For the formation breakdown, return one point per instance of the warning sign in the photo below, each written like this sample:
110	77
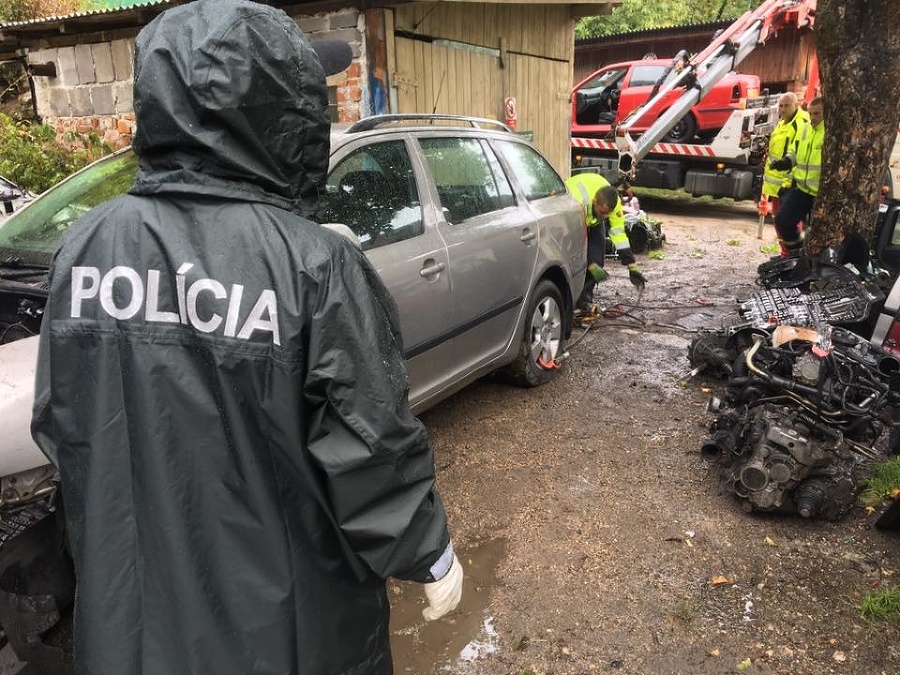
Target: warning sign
510	114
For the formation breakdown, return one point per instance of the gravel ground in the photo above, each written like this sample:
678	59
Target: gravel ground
618	552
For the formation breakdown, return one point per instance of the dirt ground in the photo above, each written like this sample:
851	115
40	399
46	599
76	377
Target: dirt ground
594	536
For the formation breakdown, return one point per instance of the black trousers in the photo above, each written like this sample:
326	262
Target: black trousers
796	205
596	254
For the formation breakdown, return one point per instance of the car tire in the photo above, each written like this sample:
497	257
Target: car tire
542	338
684	131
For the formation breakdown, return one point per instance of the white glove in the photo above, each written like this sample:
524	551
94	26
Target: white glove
444	594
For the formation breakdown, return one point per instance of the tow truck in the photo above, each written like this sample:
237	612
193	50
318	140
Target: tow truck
731	163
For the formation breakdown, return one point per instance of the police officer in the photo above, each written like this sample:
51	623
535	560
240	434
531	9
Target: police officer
603	214
804	160
239	464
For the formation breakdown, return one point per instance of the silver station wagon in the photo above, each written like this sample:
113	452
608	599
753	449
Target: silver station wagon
475	236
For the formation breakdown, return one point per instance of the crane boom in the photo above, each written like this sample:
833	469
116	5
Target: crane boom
698	75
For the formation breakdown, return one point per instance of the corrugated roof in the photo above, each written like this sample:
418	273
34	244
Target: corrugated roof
655	32
138	4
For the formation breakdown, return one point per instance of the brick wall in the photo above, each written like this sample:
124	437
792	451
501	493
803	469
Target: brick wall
346	25
92	90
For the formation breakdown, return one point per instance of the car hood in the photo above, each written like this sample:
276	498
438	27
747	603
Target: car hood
18	451
213	120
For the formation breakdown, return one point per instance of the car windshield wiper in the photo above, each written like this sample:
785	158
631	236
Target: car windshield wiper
13	267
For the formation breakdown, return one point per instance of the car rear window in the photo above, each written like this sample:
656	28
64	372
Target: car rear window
533	173
646	76
468	177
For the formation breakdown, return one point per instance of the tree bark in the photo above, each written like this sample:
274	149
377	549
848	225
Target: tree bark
858	45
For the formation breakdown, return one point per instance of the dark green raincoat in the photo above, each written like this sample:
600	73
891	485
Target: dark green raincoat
221	382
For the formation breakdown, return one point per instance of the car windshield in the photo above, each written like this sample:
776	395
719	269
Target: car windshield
603	80
33	234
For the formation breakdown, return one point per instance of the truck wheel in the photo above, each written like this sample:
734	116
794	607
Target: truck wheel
542	339
684	131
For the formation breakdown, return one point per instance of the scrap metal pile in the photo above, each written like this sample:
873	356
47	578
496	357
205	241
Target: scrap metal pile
809	403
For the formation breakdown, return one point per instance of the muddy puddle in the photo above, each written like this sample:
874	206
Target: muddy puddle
456	642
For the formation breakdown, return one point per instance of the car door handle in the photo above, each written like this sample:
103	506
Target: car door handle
432	269
527	236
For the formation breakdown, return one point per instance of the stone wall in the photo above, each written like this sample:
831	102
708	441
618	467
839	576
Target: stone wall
92	89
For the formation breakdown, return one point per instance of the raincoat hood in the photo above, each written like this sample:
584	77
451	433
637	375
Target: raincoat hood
220	119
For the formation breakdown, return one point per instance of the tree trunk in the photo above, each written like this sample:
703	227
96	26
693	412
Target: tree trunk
858	45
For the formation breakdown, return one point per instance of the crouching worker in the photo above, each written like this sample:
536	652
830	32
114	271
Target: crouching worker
603	213
240	467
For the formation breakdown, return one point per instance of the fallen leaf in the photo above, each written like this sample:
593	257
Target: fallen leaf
769	541
870	509
839	656
712	652
719	580
689	543
743	665
888	573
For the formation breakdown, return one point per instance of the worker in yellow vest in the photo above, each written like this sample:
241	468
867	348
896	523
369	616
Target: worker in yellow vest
805	162
603	209
791	118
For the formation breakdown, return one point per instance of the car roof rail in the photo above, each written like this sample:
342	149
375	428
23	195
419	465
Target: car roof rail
369	123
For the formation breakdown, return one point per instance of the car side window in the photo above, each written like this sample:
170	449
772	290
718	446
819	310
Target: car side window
373	192
468	177
534	173
646	76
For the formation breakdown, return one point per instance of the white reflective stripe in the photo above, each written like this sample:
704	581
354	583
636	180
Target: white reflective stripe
616	230
622	245
809	167
773	180
585	197
442	565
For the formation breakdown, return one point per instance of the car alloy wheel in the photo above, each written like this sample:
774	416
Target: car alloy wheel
542	339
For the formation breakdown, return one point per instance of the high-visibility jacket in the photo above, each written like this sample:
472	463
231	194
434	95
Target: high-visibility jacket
583	186
783	136
807	158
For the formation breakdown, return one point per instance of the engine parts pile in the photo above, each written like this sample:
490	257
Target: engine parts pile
808	407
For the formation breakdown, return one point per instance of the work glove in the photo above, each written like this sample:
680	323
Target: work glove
597	272
443	595
782	164
635	277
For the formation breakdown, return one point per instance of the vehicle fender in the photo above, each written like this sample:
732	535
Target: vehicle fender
18	451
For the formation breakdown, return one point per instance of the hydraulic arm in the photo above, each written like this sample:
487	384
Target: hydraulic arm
698	74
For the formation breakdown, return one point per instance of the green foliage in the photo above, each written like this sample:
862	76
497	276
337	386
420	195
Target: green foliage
883	605
23	10
634	15
33	159
18	10
883	483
